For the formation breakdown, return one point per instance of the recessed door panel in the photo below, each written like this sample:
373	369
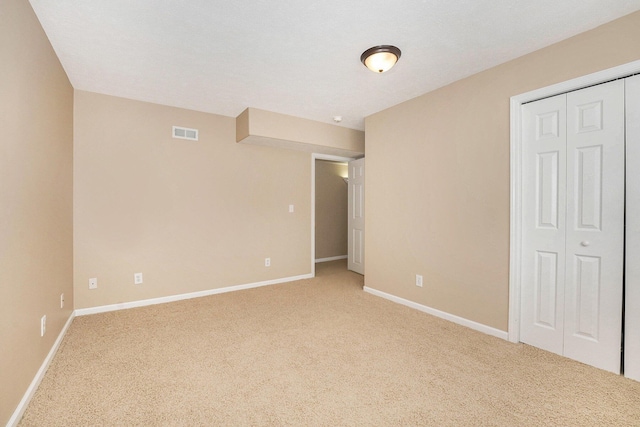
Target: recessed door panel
358	205
589	187
357	246
547	191
546	289
589	117
587	301
548	125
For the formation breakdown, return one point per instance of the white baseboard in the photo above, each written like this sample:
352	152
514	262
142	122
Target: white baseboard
441	314
172	298
332	258
22	406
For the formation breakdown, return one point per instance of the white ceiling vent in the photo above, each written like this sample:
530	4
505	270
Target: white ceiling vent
185	133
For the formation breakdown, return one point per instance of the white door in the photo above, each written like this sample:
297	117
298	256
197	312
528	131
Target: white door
632	249
573	216
544	211
595	225
355	224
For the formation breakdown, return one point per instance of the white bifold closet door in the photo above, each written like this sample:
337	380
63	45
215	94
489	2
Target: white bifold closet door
573	224
632	248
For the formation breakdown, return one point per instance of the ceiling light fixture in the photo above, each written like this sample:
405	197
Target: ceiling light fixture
380	58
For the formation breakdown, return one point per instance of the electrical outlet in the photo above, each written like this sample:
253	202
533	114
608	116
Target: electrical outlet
267	262
61	300
418	280
137	278
93	283
291	208
43	325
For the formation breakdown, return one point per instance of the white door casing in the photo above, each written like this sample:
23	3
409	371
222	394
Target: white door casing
573	224
355	223
632	248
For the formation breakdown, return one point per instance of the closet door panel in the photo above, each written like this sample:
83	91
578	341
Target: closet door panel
544	205
595	225
632	249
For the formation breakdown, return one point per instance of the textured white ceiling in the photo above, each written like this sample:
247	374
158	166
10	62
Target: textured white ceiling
299	57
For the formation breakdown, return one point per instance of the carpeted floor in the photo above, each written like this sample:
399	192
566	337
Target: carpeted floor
310	353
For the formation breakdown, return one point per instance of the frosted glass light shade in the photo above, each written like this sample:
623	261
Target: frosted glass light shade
380	58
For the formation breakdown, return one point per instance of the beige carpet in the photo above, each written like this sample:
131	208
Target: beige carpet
309	353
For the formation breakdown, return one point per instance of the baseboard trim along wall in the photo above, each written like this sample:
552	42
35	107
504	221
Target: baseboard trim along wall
332	258
441	314
22	406
172	298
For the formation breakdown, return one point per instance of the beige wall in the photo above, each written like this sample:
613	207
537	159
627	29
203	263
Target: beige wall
331	209
438	177
189	215
36	117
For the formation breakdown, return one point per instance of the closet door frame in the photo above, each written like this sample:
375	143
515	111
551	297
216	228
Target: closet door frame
516	190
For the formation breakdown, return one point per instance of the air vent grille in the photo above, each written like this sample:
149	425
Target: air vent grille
185	133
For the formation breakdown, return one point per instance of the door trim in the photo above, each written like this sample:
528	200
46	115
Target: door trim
314	157
515	221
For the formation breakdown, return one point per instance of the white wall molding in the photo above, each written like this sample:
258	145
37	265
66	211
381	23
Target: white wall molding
22	406
332	258
179	297
441	314
515	237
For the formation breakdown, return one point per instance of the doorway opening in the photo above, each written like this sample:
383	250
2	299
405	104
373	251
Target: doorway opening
328	208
